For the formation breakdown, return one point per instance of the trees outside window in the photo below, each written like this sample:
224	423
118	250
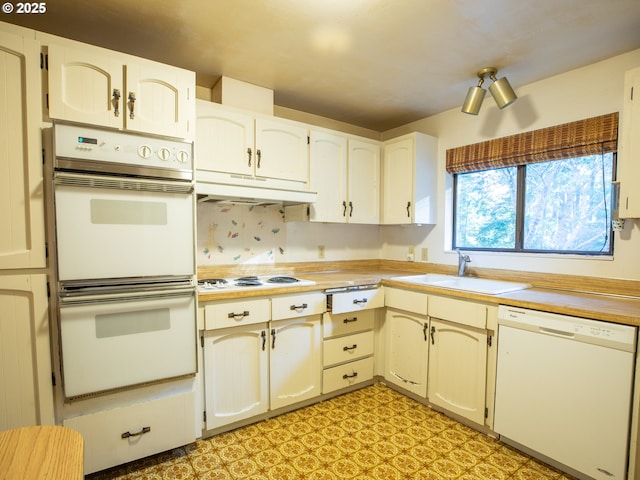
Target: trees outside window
559	206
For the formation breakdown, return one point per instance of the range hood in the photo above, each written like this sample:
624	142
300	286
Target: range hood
249	195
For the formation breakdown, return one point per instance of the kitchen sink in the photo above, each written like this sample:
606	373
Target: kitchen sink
467	284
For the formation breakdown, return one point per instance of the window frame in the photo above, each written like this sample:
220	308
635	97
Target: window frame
520	219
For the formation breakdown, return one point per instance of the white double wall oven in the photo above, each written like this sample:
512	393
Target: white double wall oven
122	218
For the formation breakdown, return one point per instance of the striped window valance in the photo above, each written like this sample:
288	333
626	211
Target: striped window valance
575	139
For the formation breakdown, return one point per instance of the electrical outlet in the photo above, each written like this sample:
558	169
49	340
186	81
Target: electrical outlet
320	251
424	254
411	254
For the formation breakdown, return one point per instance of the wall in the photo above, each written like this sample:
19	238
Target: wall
586	92
241	234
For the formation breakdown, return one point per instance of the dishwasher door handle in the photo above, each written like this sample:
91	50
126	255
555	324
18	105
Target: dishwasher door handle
556	333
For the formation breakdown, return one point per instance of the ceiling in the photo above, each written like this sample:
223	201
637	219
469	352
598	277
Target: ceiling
377	64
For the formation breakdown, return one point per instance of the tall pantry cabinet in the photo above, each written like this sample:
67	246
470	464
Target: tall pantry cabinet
26	393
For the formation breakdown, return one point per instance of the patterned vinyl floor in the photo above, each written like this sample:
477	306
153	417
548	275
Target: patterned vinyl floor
373	433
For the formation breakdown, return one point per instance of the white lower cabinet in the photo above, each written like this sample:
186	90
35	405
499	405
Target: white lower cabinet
26	396
406	328
406	350
236	373
295	366
458	355
458	369
120	435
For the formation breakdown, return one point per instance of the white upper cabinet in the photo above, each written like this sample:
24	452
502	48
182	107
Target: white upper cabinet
345	173
409	180
629	148
233	146
87	85
363	182
22	238
224	140
282	150
328	176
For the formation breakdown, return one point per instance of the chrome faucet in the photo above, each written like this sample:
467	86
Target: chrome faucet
462	263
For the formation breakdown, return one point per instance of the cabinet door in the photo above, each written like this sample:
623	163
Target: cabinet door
281	150
328	177
458	369
86	85
397	189
629	154
25	373
22	243
235	374
160	99
363	187
296	360
407	350
224	140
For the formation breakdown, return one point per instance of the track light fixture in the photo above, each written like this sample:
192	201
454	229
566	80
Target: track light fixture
500	89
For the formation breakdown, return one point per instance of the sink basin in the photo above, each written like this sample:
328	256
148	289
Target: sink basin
467	284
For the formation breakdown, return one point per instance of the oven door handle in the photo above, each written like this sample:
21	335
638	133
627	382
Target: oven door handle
100	299
86	180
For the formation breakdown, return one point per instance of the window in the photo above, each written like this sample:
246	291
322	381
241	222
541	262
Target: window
547	190
560	206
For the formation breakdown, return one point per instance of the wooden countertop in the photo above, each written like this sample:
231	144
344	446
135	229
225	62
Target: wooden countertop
44	452
611	308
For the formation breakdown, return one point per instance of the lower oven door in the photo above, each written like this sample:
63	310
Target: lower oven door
110	343
110	227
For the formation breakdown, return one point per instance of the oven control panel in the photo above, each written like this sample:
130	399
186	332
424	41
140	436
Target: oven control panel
87	143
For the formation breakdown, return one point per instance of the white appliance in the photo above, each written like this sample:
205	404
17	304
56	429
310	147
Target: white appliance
564	387
251	282
126	340
123	221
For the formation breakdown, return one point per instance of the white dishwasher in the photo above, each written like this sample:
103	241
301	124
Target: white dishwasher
563	389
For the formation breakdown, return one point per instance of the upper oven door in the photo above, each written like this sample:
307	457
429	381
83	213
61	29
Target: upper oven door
122	228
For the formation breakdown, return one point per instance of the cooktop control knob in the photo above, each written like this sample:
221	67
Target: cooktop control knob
144	151
164	154
182	156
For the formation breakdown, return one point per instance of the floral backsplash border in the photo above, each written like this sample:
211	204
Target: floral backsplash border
240	234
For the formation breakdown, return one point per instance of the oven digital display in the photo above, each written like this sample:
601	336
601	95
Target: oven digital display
92	141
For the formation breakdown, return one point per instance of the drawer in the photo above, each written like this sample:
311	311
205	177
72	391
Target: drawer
345	349
335	324
231	313
114	437
299	305
346	375
406	300
458	311
356	300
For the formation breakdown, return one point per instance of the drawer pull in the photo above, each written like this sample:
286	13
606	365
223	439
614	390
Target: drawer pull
350	320
238	315
353	375
357	302
137	434
298	307
352	347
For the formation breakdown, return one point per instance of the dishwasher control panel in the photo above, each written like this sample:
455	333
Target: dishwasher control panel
586	330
